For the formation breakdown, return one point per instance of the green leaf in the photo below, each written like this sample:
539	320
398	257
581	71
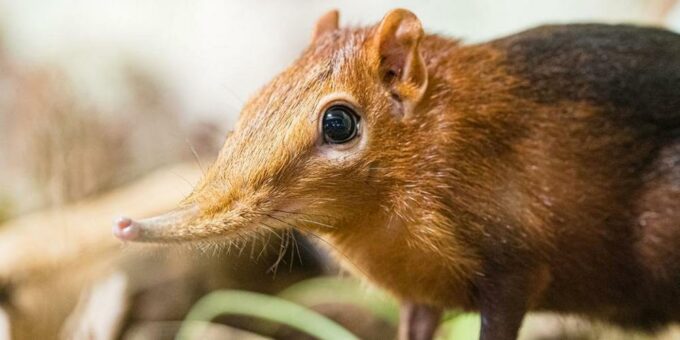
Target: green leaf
461	327
322	290
261	306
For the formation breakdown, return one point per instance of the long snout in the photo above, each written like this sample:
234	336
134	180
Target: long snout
173	226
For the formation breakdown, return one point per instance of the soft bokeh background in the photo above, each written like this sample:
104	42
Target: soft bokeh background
113	106
213	54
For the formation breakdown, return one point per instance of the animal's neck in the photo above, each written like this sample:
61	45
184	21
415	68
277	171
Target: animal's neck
405	259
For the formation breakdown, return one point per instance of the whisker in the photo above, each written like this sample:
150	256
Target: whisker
336	250
241	245
286	240
233	94
317	223
282	221
301	213
266	243
191	186
289	235
193	151
324	241
297	249
292	253
252	249
282	253
307	220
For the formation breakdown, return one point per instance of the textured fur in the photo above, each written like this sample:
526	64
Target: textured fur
538	171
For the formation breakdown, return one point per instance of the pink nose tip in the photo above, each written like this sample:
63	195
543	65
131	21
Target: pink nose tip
124	228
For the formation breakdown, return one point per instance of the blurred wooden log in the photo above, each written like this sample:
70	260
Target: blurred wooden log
100	311
40	243
50	260
5	332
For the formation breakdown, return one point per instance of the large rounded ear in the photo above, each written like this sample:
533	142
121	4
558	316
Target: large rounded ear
326	23
401	67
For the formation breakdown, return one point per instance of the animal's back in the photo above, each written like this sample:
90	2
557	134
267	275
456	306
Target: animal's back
627	147
634	70
610	103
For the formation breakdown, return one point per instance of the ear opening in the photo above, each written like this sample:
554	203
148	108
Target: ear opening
326	23
401	67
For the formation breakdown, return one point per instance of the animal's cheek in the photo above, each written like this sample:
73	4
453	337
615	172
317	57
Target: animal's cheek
372	172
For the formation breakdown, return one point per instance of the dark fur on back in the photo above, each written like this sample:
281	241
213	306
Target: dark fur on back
635	70
538	171
599	151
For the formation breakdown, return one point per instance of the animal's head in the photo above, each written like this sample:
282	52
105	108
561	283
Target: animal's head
327	142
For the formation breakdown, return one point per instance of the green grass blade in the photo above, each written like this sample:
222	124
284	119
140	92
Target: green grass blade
260	306
464	326
342	290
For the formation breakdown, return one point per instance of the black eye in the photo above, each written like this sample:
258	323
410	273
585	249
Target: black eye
339	124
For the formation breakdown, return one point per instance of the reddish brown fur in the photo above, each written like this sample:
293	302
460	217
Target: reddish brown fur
523	178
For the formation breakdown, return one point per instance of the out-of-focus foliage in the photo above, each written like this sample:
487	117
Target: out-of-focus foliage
460	326
324	290
60	145
261	306
57	148
311	293
5	208
294	308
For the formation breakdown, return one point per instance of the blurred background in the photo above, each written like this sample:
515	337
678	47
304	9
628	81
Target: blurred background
112	107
